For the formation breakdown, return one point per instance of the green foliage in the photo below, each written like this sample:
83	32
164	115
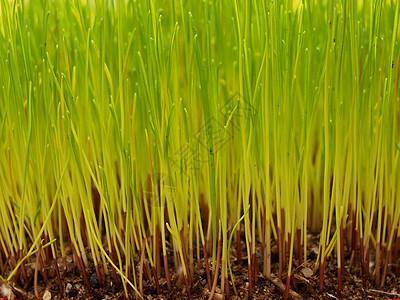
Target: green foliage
126	123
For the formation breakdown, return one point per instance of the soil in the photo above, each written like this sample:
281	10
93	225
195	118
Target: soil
305	280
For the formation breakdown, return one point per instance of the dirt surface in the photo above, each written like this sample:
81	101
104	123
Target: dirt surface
304	283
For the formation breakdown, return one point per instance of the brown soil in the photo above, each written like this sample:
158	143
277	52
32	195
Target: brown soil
305	280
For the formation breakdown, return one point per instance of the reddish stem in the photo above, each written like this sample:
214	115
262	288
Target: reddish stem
5	265
390	228
47	250
146	271
83	270
354	235
287	287
385	266
167	275
341	269
396	246
293	281
42	269
378	264
58	276
299	246
280	253
250	281
263	226
253	266
22	265
257	270
362	263
227	291
99	277
207	267
158	252
156	280
356	244
18	276
36	273
187	286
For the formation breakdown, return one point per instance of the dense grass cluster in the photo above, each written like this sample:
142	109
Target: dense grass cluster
167	129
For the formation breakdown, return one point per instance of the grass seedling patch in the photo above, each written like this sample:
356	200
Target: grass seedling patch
199	149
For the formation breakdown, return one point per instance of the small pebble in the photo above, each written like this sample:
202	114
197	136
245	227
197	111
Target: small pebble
94	282
315	250
68	288
6	291
47	295
307	272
